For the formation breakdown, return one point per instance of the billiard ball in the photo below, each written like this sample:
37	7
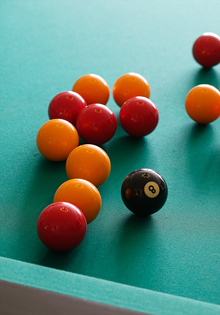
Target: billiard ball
202	103
130	85
96	124
206	50
56	139
82	194
93	88
138	116
89	162
144	191
61	226
66	105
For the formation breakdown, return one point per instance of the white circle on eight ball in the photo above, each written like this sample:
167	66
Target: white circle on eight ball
151	189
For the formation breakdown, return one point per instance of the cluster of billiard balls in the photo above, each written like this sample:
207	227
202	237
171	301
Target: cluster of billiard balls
85	107
82	113
62	225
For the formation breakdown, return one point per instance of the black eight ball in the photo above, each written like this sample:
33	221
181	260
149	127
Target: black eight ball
144	191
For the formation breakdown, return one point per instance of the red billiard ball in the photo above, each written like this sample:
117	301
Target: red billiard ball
66	105
96	124
61	226
206	50
138	116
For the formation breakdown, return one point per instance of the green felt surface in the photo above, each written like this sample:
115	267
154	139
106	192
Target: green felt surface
45	47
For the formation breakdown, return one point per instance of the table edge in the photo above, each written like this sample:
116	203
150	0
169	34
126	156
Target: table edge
100	291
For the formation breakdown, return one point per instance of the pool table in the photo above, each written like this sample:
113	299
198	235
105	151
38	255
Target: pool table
167	263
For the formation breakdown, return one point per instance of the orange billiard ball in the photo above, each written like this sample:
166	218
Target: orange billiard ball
89	162
130	85
203	103
82	194
56	139
93	89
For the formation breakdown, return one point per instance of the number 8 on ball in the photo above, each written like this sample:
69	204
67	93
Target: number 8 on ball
144	191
